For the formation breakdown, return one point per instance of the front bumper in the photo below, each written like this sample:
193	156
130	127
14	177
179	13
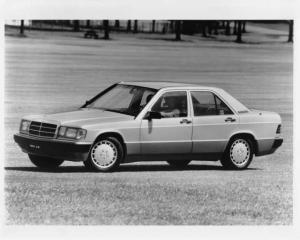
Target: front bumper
54	148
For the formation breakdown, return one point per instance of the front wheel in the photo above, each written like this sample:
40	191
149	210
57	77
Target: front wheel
105	155
45	162
238	154
179	163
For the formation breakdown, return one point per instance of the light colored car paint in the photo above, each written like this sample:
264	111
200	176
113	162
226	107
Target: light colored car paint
204	134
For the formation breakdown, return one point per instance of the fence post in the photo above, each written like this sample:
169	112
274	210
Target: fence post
291	30
22	27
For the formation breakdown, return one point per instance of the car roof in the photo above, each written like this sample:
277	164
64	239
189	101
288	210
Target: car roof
164	84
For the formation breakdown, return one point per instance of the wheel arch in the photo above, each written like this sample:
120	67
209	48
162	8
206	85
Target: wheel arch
114	134
247	135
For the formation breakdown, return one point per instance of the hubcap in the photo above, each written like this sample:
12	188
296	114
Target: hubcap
104	154
240	152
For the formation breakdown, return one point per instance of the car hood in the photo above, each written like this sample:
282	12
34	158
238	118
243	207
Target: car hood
81	117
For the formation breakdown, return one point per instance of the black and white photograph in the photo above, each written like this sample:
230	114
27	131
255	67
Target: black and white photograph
140	121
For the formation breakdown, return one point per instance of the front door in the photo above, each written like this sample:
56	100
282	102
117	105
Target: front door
172	134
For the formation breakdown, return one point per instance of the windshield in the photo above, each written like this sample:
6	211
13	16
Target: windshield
124	99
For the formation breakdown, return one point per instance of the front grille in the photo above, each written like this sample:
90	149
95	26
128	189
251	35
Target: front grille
42	129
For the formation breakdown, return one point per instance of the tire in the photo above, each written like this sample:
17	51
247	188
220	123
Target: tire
238	154
45	162
179	163
105	155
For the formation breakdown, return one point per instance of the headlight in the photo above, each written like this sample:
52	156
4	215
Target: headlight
70	132
24	126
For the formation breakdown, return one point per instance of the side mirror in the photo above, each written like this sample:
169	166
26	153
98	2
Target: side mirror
153	115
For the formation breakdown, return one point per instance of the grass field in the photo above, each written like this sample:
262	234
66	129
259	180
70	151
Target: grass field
50	72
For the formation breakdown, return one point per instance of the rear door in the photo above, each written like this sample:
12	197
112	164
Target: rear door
213	122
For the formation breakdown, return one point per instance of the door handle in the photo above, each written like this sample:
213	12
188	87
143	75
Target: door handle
185	121
230	119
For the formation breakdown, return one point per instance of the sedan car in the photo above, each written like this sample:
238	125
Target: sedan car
152	121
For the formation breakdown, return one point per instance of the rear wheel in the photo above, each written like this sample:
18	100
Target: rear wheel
45	162
238	154
105	155
179	163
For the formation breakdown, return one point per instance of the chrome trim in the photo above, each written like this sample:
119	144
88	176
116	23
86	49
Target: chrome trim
40	131
36	126
168	141
169	125
214	140
272	138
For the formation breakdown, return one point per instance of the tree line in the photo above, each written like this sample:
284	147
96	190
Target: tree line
207	28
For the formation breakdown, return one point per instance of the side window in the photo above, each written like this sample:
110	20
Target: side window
172	104
203	103
222	108
206	104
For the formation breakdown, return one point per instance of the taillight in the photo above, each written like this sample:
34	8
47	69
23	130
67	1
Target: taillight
278	129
